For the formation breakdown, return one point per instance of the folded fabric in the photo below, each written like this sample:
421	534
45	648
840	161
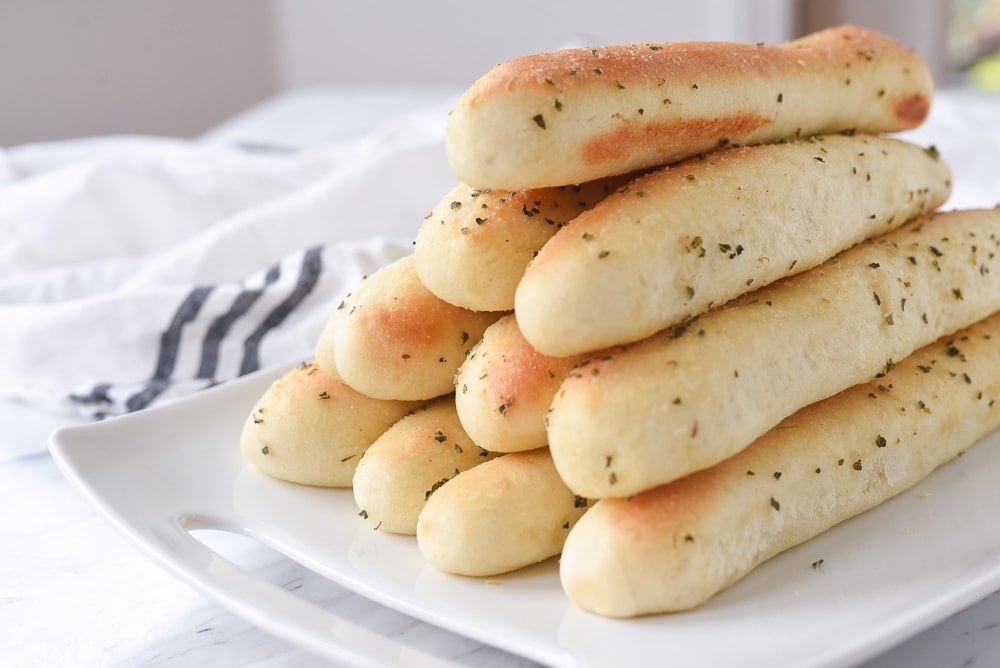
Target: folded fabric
134	270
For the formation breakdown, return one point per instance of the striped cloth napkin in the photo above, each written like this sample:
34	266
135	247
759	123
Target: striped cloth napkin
134	270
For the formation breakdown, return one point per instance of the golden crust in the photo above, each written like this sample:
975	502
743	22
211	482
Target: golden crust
576	115
504	388
620	143
638	64
673	547
687	63
393	339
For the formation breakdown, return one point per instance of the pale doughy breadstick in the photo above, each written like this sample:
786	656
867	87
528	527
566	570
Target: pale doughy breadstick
675	403
678	241
310	428
502	515
504	389
409	462
392	339
323	354
473	246
580	114
673	547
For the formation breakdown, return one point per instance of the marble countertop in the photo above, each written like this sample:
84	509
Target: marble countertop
73	591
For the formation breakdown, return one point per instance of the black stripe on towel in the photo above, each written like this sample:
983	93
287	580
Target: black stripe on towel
98	395
220	326
312	267
169	349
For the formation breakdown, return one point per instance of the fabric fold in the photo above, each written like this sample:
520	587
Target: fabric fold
135	270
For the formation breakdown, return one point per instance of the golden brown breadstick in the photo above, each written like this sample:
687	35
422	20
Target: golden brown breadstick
409	462
473	246
310	428
673	547
675	403
502	515
581	114
392	339
676	242
504	389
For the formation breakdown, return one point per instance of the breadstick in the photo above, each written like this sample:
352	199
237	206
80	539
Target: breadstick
473	246
577	115
504	389
310	428
392	339
502	515
323	354
681	401
676	242
409	462
675	546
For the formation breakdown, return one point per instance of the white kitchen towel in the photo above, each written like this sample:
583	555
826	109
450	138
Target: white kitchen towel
134	270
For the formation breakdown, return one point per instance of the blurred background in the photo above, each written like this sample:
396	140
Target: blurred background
180	68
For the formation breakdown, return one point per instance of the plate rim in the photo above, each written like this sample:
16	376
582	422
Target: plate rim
66	445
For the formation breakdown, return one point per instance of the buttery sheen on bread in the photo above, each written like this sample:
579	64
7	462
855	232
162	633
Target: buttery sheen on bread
683	400
675	546
504	389
676	242
577	115
393	339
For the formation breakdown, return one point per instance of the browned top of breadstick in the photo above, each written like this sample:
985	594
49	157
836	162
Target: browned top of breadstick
504	388
687	62
392	338
577	114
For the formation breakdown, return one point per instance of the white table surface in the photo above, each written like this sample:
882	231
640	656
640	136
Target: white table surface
75	592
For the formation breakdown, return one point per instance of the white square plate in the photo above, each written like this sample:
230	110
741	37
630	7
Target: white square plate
885	575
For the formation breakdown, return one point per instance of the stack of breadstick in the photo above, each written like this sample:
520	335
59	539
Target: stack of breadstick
687	307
